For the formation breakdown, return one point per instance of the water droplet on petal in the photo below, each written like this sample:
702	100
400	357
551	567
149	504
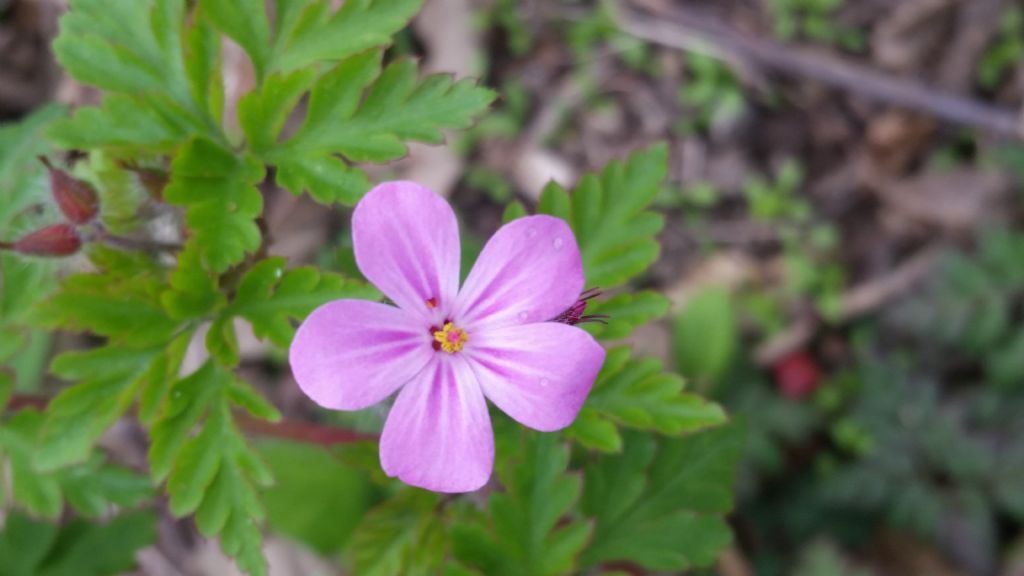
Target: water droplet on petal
531	232
558	243
524	315
544	382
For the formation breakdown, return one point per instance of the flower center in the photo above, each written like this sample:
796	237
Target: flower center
450	339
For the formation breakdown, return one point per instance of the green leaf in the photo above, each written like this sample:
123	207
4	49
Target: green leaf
6	387
661	505
528	534
86	549
219	193
314	34
133	49
213	474
93	489
327	179
608	214
626	312
79	415
705	334
245	22
316	498
24	544
638	393
364	115
22	179
38	493
401	537
194	292
271	298
123	305
262	113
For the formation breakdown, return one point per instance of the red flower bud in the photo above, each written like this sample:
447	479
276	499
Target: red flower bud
53	240
797	375
76	199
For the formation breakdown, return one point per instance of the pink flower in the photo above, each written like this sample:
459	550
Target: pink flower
445	347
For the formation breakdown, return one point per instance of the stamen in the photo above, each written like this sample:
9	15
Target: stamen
432	303
450	339
575	314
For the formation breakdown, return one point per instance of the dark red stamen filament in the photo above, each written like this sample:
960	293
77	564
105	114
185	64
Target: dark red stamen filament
575	314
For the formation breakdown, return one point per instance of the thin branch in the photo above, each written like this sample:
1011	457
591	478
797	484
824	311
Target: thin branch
685	30
859	301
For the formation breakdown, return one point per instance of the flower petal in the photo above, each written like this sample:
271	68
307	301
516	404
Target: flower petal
438	435
539	374
350	354
530	271
406	242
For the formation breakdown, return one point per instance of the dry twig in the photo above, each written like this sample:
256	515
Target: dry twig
683	29
859	301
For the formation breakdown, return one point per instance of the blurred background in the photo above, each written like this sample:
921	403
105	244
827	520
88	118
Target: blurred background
844	253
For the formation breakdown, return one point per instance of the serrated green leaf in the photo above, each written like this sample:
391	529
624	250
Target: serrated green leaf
245	22
626	312
315	34
529	534
662	505
638	393
123	307
394	108
24	545
219	193
188	400
357	112
79	415
194	292
93	489
38	493
88	549
162	372
270	297
327	179
593	431
403	536
213	474
123	123
134	50
262	113
608	214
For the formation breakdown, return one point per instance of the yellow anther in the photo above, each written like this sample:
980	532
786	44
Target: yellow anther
450	338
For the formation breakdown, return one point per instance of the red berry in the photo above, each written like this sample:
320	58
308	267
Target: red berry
797	375
53	240
75	198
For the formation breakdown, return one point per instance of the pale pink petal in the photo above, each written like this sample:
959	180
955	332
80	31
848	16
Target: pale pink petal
438	435
530	271
406	242
539	374
350	354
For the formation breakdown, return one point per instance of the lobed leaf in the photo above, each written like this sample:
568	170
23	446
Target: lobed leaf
661	505
213	474
527	532
403	536
638	393
218	191
608	213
